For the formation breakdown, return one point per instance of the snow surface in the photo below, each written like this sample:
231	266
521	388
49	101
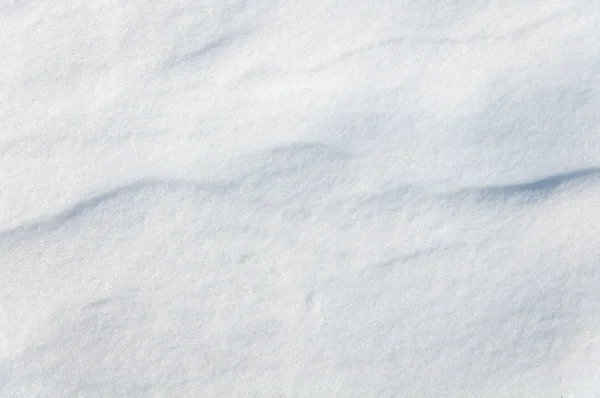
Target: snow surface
300	198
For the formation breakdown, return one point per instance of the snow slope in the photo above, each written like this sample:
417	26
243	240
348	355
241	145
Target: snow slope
318	198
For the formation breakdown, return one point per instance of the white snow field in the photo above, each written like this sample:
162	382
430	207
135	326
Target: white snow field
262	198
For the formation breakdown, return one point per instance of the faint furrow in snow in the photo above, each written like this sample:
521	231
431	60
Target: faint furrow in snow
416	38
532	26
208	49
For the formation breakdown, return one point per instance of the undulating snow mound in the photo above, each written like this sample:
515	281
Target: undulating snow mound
277	198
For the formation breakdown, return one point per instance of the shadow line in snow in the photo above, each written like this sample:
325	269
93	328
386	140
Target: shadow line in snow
91	203
286	159
537	188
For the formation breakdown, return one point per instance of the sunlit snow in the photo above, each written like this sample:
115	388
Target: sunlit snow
300	198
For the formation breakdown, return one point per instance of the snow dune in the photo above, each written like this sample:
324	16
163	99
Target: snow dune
277	198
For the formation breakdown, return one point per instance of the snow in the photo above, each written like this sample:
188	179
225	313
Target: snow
318	198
